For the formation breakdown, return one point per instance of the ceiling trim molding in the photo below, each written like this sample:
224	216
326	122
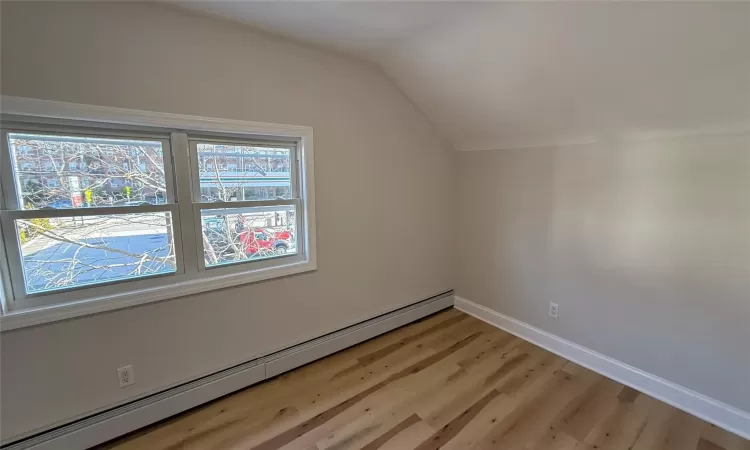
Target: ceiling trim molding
737	128
519	144
631	136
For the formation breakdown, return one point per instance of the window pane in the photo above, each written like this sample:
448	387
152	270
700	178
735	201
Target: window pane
74	172
69	252
244	234
238	172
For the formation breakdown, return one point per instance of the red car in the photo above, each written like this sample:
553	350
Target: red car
260	240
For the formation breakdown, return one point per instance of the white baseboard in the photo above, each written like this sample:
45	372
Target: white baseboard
699	405
119	421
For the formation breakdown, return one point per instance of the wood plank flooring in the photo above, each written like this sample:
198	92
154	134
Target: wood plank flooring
447	382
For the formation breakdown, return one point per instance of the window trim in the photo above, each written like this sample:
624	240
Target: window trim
30	110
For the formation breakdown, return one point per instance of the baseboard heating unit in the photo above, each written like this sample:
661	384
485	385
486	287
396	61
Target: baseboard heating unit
118	421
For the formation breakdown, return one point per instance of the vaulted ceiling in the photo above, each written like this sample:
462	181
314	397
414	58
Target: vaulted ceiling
510	75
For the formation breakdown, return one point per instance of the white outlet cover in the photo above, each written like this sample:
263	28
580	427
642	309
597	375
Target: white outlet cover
554	309
126	376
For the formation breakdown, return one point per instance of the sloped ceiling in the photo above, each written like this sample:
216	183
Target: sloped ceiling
510	75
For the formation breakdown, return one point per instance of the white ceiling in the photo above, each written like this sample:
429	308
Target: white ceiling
509	75
360	28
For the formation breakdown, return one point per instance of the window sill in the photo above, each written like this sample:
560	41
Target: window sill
37	316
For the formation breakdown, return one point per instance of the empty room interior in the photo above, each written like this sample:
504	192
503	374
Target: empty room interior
374	224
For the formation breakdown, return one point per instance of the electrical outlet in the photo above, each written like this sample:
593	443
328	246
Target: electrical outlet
126	375
553	309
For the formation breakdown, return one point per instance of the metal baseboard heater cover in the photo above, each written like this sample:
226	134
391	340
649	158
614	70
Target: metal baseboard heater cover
118	421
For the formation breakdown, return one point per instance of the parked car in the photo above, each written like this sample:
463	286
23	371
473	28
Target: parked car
262	240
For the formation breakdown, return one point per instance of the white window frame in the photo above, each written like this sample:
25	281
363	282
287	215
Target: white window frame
199	206
183	201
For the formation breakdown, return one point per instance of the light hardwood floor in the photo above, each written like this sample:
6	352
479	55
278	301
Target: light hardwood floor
449	381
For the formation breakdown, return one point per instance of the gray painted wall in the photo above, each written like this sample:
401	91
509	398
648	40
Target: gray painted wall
644	245
382	178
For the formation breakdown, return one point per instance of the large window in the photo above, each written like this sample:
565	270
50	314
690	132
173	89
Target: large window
102	211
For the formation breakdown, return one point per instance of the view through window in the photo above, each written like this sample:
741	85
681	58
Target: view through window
70	173
242	174
87	209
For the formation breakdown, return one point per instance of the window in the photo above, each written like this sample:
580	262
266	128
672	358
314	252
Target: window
94	229
232	220
60	238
